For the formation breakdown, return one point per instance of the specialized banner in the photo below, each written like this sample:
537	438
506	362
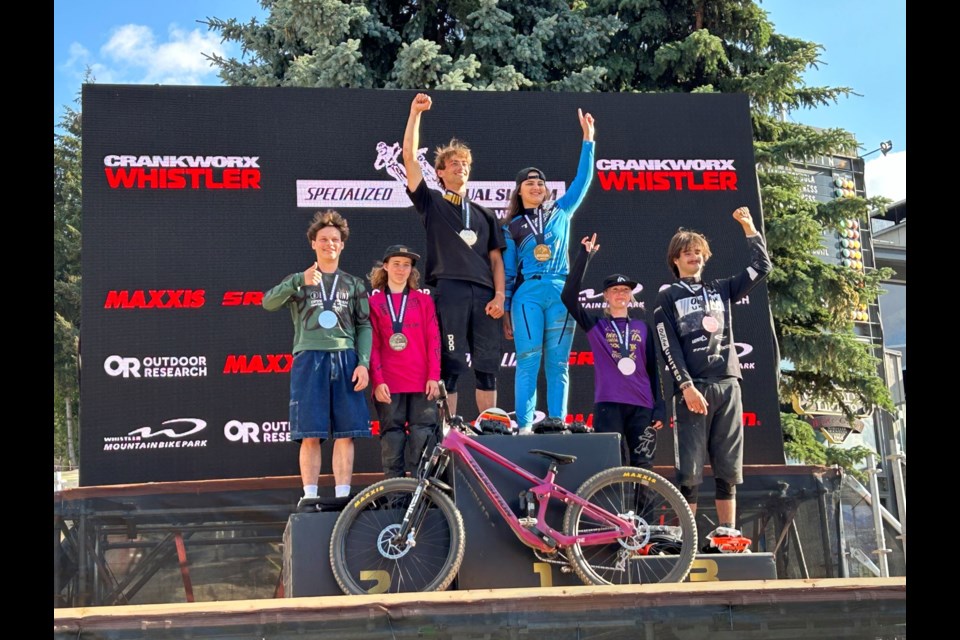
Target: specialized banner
197	200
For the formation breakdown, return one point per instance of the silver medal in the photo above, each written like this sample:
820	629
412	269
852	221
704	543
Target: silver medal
626	366
328	319
469	236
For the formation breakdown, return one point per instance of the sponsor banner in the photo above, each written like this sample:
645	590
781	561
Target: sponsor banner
384	194
168	259
156	366
177	433
257	433
676	174
257	363
154	299
178	172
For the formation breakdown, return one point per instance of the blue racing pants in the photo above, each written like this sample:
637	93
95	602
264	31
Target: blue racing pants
542	329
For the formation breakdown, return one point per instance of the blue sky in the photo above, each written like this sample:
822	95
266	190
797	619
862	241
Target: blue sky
135	41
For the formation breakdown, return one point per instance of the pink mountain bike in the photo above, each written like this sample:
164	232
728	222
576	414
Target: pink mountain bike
624	525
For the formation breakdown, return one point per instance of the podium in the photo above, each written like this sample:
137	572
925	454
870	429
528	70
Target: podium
494	557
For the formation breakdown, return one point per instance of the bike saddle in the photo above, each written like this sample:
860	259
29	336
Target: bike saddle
559	458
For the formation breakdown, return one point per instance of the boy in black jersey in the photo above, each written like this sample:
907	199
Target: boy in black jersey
464	263
693	322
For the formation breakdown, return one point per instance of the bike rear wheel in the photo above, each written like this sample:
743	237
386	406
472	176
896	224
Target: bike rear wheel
367	556
666	542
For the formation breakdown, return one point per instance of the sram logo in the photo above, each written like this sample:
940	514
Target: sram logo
269	363
155	299
242	298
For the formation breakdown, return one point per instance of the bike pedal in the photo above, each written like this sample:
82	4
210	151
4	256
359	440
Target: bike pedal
528	522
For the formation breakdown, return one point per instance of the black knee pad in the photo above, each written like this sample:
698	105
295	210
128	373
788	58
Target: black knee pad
690	493
486	381
450	382
725	490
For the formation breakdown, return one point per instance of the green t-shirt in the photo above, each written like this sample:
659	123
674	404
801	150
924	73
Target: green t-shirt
347	296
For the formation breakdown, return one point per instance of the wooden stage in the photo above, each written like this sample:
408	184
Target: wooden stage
777	609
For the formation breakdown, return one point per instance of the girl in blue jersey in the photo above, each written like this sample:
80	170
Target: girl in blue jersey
538	234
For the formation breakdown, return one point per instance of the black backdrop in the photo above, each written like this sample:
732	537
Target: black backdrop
184	373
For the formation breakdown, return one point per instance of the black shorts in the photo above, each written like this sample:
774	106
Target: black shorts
466	328
717	435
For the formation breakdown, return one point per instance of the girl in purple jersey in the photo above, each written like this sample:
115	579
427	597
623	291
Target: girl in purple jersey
627	395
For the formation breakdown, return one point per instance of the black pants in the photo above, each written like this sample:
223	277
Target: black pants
406	412
633	423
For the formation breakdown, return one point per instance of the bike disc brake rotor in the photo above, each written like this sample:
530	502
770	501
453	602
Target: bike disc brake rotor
642	536
386	545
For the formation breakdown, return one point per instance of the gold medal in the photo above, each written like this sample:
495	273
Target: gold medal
542	252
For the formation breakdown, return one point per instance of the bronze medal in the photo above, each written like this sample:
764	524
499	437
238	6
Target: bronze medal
398	342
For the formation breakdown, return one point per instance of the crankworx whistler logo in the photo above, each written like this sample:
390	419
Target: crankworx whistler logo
175	434
391	194
182	172
666	174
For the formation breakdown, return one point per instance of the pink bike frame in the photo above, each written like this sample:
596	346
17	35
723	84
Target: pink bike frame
544	489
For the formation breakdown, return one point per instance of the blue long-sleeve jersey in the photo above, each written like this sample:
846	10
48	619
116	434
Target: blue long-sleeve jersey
518	257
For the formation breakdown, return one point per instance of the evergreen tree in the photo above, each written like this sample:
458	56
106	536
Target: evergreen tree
66	279
613	45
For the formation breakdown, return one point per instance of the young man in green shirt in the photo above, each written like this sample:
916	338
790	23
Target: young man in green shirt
332	338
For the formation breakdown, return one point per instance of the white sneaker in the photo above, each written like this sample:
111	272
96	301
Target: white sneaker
525	431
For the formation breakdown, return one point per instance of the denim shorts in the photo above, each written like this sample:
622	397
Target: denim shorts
323	403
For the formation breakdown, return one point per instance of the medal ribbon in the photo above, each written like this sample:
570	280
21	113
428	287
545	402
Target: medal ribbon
624	342
706	296
398	319
537	228
328	302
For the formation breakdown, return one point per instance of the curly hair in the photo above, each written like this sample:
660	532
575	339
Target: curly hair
328	218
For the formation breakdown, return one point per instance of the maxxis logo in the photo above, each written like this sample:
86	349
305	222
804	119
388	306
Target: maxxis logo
267	363
155	299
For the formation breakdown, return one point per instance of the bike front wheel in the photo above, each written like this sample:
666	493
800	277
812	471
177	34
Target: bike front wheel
665	543
368	555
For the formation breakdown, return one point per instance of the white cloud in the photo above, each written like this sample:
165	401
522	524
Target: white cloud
887	176
79	55
133	54
130	44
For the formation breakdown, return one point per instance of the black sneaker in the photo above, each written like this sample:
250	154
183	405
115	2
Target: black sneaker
550	425
308	505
